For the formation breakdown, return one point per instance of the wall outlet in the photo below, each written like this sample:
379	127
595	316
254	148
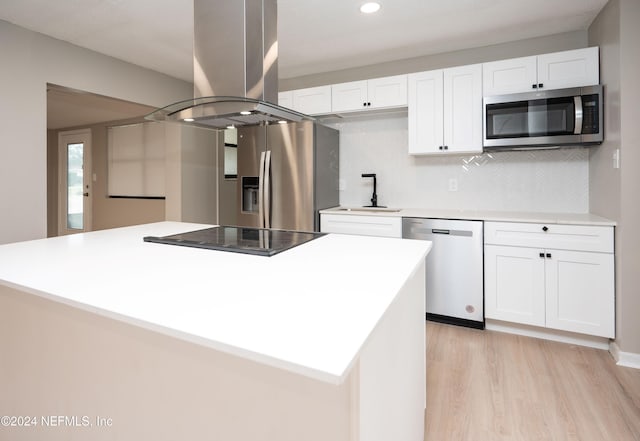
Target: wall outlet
453	184
616	158
342	184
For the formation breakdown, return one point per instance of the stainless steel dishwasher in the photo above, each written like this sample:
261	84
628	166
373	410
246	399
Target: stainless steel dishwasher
454	275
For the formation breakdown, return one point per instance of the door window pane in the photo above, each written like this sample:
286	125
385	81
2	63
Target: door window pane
75	182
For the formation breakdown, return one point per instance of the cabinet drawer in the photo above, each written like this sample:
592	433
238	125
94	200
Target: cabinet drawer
556	236
383	226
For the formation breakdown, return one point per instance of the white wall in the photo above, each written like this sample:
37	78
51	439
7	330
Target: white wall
629	302
614	192
520	48
541	181
192	174
30	61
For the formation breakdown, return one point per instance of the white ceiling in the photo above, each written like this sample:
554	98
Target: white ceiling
69	108
314	36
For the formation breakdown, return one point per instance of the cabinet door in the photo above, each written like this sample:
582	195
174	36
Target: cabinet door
425	121
313	100
509	76
285	99
514	284
574	68
580	292
463	109
349	97
387	92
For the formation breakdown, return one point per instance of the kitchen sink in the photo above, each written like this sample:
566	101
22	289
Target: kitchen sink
371	209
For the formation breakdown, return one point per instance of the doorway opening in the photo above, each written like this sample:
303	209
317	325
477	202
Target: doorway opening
77	198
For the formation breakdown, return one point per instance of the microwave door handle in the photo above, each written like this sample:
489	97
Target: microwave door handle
577	101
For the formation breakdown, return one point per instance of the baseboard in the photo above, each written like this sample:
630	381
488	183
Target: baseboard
626	359
548	334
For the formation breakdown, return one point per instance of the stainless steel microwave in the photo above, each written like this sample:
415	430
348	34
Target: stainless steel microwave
543	119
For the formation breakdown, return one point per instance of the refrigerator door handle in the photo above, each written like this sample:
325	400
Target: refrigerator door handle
261	191
267	190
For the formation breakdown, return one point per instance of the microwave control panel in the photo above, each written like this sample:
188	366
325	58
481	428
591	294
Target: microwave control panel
590	116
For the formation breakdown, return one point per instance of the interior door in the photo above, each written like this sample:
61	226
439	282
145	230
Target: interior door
74	182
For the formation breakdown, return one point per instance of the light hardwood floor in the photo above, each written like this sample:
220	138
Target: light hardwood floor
491	386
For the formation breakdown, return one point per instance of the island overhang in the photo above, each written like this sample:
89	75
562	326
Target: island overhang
315	311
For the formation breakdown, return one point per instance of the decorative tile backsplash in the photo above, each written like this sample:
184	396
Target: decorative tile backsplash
539	181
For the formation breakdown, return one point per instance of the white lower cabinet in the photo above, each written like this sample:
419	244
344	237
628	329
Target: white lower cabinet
564	289
580	292
514	285
384	226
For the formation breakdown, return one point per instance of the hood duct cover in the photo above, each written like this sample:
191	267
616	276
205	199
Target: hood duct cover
235	66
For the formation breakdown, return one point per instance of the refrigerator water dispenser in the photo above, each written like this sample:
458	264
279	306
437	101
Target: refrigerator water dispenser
250	194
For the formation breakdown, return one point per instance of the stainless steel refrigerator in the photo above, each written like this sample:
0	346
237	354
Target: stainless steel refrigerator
286	174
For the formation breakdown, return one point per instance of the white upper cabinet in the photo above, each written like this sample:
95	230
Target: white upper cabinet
577	68
509	76
387	92
285	99
349	96
426	95
312	100
558	70
463	109
377	93
445	111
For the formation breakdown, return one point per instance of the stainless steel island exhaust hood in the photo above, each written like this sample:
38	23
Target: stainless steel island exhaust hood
235	65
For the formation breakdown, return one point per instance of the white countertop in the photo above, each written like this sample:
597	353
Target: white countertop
485	215
308	310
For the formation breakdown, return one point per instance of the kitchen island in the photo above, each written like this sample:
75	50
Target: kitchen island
105	336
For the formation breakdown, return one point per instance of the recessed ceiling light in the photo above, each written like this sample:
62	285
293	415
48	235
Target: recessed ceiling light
245	112
370	7
282	122
231	126
188	119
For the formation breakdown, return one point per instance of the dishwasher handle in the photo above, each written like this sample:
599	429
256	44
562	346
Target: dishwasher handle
425	229
415	232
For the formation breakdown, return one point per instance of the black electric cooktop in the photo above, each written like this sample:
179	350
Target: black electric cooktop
247	240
